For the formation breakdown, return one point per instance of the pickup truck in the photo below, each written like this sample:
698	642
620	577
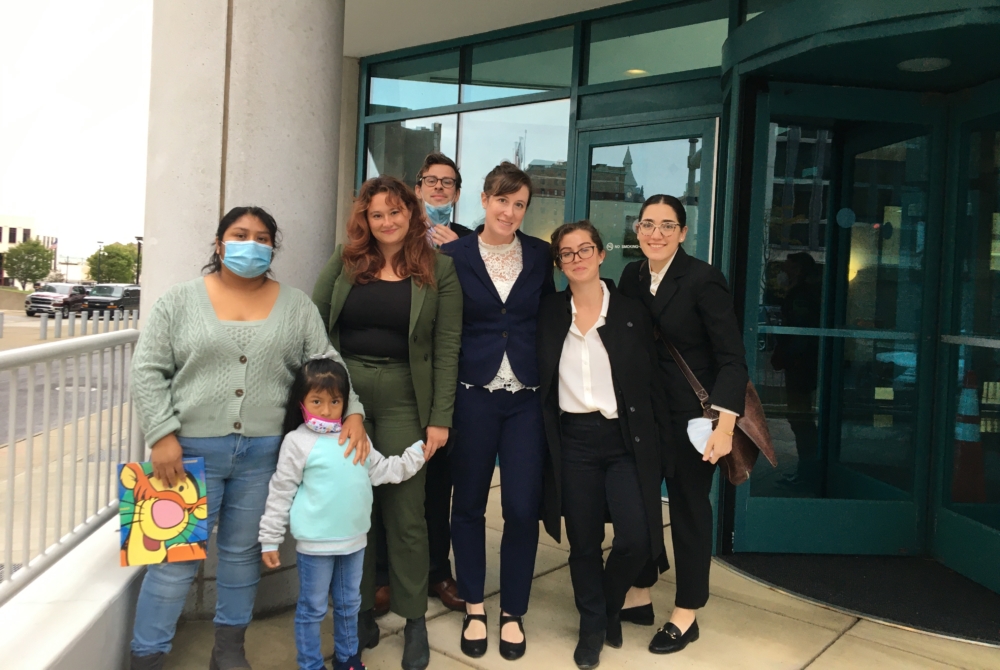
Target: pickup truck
55	297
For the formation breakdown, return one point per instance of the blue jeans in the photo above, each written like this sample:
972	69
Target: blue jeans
322	577
238	470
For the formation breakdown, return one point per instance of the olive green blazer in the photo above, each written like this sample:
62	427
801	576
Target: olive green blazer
435	334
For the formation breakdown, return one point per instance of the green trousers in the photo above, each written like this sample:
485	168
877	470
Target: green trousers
393	423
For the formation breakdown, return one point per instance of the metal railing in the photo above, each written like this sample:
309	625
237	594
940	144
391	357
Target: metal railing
58	477
103	321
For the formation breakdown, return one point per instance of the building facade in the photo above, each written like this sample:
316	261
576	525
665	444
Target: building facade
839	161
17	229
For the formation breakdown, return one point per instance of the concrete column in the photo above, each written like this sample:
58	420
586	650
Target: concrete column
244	110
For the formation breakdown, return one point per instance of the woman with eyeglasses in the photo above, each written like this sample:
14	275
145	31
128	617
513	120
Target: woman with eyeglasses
691	308
601	402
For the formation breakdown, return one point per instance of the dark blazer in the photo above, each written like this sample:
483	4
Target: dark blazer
491	326
693	309
434	337
627	335
461	230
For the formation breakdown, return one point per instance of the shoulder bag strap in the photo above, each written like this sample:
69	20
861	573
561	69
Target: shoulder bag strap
696	386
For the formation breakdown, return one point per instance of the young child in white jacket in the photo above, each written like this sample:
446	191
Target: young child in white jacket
328	499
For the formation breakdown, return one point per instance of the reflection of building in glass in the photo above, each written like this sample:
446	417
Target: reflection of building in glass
615	201
548	199
394	149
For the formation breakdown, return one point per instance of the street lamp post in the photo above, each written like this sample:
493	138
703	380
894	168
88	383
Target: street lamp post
100	248
138	258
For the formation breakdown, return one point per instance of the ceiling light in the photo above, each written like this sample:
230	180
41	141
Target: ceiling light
924	64
636	73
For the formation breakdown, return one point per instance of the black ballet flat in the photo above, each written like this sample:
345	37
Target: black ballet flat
511	650
669	639
642	615
473	648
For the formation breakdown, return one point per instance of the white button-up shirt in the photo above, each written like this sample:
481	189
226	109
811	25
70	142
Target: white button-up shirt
585	382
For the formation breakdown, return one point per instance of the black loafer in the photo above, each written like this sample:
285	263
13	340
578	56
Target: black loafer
642	615
588	650
473	648
669	639
614	634
512	650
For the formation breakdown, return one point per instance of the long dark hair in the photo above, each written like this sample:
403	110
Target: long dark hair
318	374
232	216
663	199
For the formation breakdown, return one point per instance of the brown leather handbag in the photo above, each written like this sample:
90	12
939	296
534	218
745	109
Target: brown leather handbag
750	436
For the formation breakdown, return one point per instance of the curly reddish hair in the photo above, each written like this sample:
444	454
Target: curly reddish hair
362	257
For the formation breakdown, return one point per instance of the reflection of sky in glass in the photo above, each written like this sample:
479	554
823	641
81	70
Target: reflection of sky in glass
491	136
407	94
659	167
473	93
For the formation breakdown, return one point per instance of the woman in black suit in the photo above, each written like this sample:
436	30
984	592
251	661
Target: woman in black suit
601	400
692	308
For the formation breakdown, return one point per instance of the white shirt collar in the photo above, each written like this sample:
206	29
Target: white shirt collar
655	278
604	304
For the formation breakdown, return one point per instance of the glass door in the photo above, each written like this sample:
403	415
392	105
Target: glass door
839	306
618	169
967	528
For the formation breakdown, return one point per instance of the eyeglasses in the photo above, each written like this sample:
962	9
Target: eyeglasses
584	253
429	180
646	227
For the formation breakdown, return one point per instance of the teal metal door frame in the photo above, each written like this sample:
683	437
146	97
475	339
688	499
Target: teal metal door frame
828	525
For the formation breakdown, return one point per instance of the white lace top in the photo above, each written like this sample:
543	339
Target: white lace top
504	263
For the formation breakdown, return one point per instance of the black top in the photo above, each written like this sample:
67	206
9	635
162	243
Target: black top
375	320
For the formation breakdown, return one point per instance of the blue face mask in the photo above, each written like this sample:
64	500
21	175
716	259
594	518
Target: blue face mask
247	259
439	215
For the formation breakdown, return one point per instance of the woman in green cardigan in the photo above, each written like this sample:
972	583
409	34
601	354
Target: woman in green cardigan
393	307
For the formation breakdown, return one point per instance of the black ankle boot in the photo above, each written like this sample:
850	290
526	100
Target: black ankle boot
588	650
150	662
416	652
368	631
614	635
228	653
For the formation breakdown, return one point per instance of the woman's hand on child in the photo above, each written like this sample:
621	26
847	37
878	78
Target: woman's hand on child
168	460
437	437
271	559
353	429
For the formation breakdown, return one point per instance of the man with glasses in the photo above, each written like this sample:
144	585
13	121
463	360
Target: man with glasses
439	185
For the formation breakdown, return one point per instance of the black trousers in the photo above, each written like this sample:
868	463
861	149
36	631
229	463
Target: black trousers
437	513
599	474
690	522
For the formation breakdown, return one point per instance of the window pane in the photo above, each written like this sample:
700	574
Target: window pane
757	7
416	83
669	40
623	175
530	64
532	136
399	148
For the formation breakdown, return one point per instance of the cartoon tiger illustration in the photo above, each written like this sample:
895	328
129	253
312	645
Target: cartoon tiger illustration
159	523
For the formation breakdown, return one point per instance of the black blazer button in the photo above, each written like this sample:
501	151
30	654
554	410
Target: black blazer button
414	338
631	409
629	324
503	310
505	333
637	439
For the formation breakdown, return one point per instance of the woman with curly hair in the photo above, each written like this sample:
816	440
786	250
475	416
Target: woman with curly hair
393	307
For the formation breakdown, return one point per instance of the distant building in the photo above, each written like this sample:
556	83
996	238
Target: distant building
17	229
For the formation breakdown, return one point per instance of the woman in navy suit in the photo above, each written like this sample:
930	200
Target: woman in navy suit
504	276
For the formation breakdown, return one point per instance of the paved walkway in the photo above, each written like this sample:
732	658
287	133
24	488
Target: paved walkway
744	625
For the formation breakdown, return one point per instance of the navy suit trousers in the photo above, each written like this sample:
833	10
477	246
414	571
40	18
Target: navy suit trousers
487	425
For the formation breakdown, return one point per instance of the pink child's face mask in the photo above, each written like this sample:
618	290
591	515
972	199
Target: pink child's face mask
318	424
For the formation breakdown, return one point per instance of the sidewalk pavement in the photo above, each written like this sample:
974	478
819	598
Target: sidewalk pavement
745	625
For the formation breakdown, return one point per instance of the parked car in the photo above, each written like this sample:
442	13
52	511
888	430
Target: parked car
55	297
111	297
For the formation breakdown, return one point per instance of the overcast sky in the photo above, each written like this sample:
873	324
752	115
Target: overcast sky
74	106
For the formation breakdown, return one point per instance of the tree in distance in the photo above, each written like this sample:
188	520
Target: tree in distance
113	264
28	262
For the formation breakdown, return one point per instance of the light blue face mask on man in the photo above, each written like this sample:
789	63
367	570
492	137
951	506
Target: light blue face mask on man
247	259
439	215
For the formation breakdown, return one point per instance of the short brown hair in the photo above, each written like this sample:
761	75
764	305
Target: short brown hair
505	179
362	257
567	228
438	158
